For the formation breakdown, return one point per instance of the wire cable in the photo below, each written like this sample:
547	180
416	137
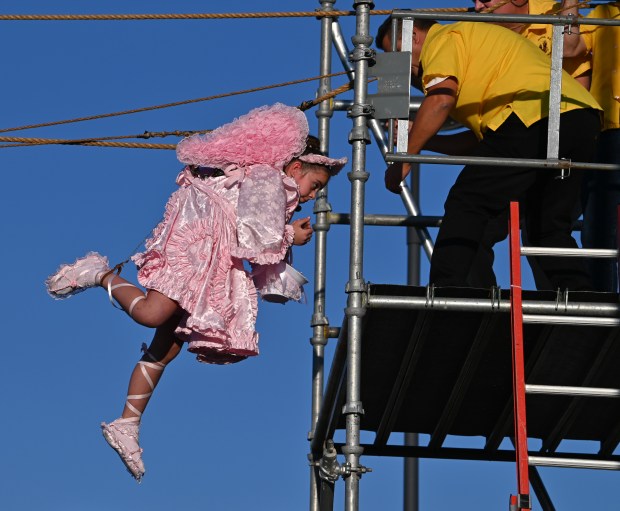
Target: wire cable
30	141
168	105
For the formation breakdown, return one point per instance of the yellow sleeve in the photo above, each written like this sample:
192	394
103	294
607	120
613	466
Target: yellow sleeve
443	58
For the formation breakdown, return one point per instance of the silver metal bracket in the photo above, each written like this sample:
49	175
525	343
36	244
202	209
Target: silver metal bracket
561	297
346	470
496	298
362	53
319	319
568	28
360	110
353	407
355	286
430	296
322	206
392	71
359	134
329	468
565	166
369	3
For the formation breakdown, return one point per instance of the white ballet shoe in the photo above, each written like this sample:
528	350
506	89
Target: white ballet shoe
71	279
123	436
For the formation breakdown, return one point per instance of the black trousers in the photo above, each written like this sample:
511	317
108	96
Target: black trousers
481	194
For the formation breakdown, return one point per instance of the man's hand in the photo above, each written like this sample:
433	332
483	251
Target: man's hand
394	174
303	231
433	112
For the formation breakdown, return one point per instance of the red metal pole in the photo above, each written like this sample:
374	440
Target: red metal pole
518	368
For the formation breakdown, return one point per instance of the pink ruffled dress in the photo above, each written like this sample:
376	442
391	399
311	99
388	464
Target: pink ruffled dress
211	225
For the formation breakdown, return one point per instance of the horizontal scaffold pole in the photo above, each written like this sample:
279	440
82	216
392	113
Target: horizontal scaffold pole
549	308
549	19
510	162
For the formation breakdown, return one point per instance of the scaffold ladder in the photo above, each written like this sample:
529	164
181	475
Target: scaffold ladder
522	500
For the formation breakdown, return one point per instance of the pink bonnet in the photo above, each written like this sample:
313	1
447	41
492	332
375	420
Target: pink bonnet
271	135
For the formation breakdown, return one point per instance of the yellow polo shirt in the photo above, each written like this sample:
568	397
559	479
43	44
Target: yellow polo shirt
498	73
604	43
542	36
539	33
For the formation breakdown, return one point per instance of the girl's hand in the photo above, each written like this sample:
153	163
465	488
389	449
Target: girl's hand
303	231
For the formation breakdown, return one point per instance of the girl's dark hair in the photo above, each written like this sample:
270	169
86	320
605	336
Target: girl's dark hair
313	145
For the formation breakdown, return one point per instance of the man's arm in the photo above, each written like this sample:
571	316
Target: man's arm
434	111
574	45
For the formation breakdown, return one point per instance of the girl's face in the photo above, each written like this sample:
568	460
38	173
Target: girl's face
309	182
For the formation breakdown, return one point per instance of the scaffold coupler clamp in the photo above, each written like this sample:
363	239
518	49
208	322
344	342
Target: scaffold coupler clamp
565	166
430	296
572	27
356	286
561	298
329	468
346	470
360	133
520	502
321	205
363	52
496	298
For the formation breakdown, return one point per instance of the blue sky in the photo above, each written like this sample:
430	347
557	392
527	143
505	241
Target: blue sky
221	438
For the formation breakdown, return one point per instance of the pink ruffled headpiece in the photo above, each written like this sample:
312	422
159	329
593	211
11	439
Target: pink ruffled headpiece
271	135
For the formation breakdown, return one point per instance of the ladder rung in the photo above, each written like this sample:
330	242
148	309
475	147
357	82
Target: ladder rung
605	253
572	391
573	463
569	320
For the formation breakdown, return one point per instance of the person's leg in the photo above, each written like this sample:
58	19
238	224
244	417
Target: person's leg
600	199
146	375
550	223
552	202
150	309
123	434
481	274
481	193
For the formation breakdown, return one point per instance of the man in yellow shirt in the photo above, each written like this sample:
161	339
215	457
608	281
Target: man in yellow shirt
541	34
601	192
497	84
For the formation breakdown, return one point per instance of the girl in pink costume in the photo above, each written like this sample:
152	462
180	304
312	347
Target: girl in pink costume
236	196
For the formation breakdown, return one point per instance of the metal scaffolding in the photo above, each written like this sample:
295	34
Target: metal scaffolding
340	403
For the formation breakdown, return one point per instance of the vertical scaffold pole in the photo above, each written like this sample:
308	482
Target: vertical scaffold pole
414	244
319	321
555	94
522	500
356	287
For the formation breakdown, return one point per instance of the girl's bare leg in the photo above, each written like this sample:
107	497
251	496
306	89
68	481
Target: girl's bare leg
151	309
